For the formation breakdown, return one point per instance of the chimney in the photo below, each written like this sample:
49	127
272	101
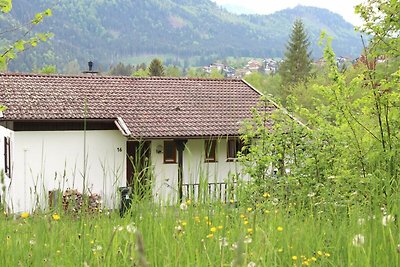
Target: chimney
90	71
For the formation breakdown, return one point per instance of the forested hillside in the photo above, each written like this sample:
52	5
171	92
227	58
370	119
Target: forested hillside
121	30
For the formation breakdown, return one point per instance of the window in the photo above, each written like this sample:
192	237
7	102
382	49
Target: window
169	152
7	156
210	147
234	146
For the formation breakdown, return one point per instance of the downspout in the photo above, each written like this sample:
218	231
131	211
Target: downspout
180	146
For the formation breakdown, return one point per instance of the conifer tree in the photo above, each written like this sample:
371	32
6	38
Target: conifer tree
156	68
296	66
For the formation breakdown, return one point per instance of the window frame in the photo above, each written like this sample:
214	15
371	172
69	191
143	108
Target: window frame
172	159
210	150
236	144
7	156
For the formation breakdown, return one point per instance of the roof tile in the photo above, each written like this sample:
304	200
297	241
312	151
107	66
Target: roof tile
151	107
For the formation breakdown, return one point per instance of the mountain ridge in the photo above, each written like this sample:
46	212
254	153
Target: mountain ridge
108	32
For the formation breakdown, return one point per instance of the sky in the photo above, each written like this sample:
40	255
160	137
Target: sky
345	8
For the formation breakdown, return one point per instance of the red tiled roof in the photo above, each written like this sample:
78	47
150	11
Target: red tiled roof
150	107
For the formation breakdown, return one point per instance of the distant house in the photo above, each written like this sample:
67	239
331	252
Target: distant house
227	71
253	65
271	66
100	133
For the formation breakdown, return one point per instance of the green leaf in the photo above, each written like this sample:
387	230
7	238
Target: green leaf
42	37
19	45
10	54
47	12
5	6
3	63
38	18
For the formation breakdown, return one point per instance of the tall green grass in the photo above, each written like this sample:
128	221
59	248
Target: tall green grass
201	235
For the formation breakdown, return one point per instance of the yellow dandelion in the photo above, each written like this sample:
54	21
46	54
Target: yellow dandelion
220	227
183	223
280	250
294	258
266	211
250	230
24	215
266	195
246	222
327	254
232	201
249	209
319	253
56	217
58	251
210	236
197	219
189	201
213	229
242	216
313	258
280	228
305	263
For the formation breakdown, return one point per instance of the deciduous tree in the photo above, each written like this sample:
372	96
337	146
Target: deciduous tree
22	42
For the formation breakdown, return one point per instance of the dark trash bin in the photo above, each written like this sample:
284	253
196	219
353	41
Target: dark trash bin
126	200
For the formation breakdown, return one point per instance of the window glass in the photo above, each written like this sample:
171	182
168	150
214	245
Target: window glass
169	152
234	146
7	156
210	147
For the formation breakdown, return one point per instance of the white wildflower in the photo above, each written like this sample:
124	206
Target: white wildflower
97	248
247	240
32	242
183	206
387	219
234	246
178	228
131	228
311	194
361	221
223	242
275	201
358	240
118	228
251	264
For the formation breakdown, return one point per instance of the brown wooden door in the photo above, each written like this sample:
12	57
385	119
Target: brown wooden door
138	165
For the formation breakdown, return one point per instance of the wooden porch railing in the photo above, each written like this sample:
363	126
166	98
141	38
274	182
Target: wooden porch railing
210	191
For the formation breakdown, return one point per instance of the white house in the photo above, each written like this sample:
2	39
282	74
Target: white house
94	133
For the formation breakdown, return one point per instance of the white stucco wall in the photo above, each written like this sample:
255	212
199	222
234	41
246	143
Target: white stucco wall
4	132
49	160
194	168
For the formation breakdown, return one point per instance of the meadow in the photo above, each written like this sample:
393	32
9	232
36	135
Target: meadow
212	234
